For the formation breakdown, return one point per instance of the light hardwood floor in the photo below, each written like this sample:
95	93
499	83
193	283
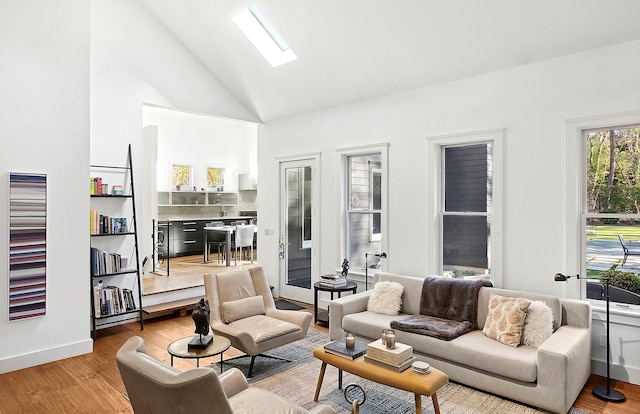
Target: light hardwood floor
91	383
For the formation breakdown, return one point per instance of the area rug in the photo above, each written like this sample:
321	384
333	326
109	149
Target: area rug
284	304
296	381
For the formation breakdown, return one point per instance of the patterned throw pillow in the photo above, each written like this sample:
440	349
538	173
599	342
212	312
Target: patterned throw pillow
505	319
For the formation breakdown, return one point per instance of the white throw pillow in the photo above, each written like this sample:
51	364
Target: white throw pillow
386	298
538	325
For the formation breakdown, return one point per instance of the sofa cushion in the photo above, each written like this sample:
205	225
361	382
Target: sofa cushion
242	308
386	298
505	319
538	325
368	324
481	353
262	327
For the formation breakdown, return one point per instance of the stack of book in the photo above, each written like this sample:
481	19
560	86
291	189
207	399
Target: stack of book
111	300
339	348
397	359
333	281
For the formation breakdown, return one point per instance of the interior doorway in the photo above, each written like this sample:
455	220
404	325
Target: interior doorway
298	228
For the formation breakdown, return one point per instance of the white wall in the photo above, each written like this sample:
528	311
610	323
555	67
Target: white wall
202	141
135	60
44	79
531	103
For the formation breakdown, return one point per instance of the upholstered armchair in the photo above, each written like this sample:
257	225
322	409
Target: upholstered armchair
243	310
154	387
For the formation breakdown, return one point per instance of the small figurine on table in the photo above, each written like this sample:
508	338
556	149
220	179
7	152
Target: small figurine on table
345	267
201	318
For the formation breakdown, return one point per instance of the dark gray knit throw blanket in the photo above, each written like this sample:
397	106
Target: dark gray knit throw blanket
448	308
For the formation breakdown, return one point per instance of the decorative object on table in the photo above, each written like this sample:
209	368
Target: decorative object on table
350	340
339	348
201	317
355	395
382	255
390	341
27	246
345	267
421	367
334	281
396	356
602	392
398	359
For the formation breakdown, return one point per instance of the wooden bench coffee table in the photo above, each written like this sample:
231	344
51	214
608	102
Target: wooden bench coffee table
407	380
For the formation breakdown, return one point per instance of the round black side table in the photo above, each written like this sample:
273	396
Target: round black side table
322	317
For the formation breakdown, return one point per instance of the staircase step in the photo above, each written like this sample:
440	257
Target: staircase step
182	304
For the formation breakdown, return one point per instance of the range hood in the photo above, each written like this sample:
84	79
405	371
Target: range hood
247	182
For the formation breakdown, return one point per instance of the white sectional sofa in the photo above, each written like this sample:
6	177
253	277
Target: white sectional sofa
549	377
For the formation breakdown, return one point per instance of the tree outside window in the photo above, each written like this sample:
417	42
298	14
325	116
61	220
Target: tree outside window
612	212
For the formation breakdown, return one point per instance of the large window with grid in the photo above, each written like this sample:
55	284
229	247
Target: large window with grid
364	177
611	213
466	177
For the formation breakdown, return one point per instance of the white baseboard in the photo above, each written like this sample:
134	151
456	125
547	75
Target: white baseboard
45	355
626	374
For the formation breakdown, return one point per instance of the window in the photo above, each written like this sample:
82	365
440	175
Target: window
215	178
611	213
364	177
466	174
181	176
466	209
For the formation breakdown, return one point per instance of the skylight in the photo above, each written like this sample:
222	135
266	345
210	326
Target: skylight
264	36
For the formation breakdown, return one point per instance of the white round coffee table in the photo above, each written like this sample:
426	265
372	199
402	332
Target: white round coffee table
180	349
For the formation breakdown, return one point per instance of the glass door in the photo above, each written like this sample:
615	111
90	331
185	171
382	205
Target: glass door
298	229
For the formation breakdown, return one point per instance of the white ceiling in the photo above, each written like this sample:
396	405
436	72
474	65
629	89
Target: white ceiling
349	50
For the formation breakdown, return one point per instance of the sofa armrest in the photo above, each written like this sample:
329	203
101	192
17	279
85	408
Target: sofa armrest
340	307
564	363
576	313
233	381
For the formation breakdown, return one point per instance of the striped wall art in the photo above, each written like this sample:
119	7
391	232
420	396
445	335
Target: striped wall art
27	245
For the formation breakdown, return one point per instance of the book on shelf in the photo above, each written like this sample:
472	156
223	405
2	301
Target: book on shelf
339	348
103	224
103	262
396	367
117	190
112	300
395	356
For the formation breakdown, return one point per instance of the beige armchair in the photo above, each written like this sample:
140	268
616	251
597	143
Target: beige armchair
155	387
243	310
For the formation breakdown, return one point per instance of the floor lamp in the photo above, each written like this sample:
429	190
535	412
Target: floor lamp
604	393
382	255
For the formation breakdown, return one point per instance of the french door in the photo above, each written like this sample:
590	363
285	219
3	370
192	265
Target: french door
298	242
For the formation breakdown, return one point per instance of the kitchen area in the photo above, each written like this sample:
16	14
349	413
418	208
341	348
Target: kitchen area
205	173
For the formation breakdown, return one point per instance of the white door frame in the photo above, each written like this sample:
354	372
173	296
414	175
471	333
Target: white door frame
307	160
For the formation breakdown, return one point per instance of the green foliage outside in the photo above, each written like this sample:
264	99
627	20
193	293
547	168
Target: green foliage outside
613	172
623	280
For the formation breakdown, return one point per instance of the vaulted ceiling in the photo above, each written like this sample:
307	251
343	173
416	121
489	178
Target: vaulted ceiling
350	50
